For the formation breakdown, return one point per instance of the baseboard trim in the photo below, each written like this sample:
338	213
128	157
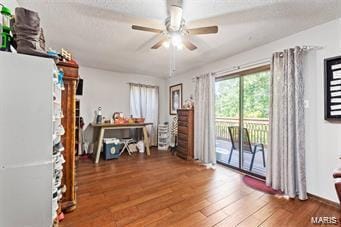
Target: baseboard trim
311	196
323	200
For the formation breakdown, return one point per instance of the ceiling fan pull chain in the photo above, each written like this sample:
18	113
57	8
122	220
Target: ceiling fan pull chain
172	61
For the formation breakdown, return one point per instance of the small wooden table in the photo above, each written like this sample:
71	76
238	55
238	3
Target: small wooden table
106	126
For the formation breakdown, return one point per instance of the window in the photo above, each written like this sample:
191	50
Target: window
242	111
144	102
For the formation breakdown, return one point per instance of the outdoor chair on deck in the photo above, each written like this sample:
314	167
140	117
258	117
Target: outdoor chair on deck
246	144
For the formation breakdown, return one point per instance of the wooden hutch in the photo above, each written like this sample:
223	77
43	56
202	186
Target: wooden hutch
71	77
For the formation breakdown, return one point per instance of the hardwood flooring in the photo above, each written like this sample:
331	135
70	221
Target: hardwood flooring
164	190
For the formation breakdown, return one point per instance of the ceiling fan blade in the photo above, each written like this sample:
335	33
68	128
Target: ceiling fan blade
188	44
158	44
146	29
203	30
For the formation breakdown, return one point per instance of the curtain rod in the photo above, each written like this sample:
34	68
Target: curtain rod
256	63
143	85
241	67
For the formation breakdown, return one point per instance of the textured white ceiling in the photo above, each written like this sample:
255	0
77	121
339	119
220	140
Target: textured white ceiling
99	33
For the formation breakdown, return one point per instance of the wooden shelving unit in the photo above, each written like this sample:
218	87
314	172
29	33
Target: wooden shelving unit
163	137
78	128
71	77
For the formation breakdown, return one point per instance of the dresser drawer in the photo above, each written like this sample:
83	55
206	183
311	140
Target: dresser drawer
185	132
182	129
182	136
183	118
181	155
183	144
183	113
181	150
183	123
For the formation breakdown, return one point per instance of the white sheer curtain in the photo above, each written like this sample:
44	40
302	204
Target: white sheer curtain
204	119
144	102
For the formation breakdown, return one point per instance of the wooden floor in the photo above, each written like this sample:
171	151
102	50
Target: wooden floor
163	190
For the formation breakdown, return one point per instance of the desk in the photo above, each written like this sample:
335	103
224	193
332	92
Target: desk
107	126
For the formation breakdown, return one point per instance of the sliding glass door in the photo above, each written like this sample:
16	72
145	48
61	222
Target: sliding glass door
242	120
227	120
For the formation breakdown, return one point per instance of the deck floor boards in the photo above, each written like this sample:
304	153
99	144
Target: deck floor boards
223	148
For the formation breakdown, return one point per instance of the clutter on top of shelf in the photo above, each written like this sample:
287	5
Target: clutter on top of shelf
139	120
117	118
66	55
189	103
5	28
117	115
99	117
27	33
53	53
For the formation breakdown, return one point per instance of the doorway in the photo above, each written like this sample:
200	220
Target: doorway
242	120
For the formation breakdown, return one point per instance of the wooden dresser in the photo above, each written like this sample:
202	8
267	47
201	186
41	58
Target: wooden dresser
185	148
71	77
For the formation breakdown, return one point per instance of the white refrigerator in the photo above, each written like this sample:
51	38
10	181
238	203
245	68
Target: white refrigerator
26	129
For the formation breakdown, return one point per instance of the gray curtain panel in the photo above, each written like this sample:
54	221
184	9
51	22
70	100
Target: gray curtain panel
204	119
286	153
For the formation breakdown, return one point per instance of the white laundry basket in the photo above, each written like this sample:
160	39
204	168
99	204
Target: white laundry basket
140	146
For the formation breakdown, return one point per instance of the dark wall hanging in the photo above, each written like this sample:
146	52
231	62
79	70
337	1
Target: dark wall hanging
332	89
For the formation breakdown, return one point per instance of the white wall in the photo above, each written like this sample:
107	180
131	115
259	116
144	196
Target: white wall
110	90
11	4
323	139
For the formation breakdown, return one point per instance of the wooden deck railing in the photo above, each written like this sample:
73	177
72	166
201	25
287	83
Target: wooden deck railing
258	128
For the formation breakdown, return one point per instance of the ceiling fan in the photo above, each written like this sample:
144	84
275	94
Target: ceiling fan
176	33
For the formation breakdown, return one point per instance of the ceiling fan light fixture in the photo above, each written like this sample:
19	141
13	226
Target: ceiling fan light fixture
180	46
166	44
176	35
176	40
175	17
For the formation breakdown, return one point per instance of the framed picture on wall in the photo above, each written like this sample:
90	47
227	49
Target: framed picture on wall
332	89
175	98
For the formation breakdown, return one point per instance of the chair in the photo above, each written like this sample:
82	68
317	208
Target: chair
246	144
126	142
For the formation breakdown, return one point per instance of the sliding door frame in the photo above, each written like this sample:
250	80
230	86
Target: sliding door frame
240	75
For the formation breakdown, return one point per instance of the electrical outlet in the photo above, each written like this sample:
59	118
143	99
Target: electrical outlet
306	104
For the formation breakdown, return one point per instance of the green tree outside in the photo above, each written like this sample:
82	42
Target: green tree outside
256	96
